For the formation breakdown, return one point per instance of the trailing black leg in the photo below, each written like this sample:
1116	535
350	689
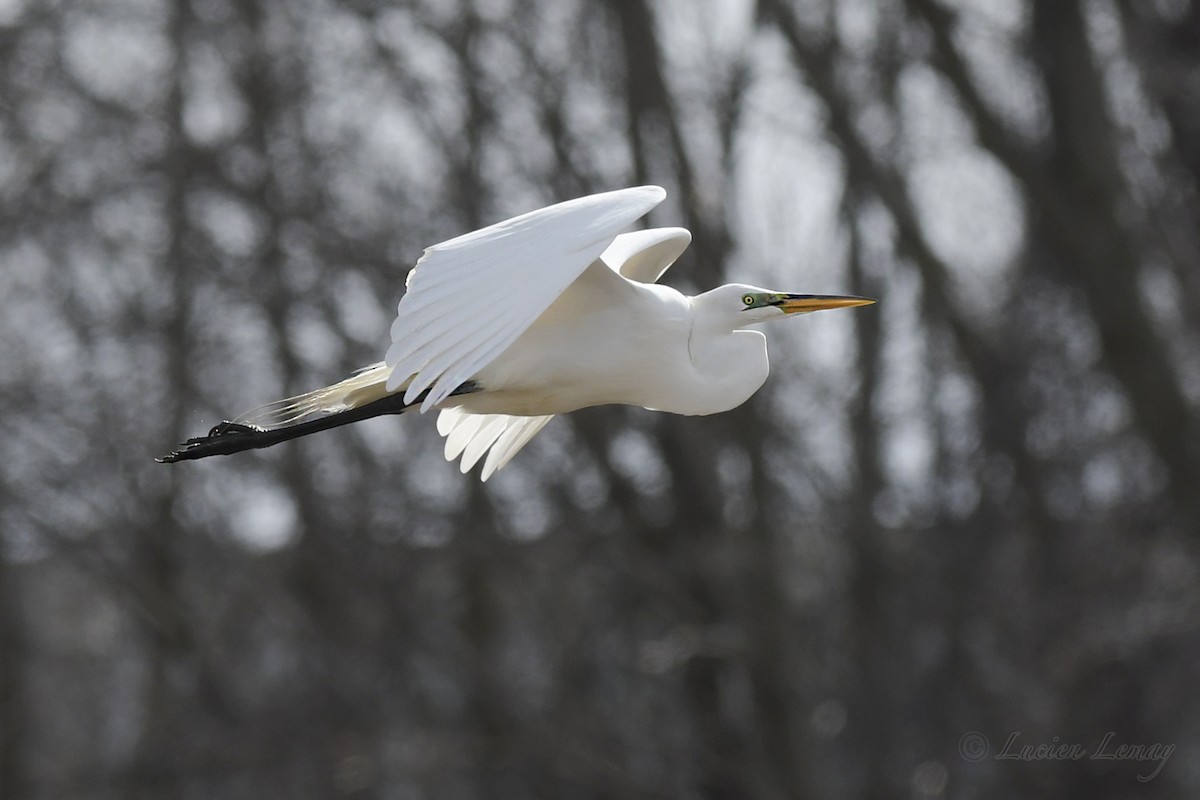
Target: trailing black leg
234	437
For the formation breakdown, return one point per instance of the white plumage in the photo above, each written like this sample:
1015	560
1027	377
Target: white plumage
503	328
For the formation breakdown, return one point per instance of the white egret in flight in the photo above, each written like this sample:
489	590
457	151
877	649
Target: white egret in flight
542	314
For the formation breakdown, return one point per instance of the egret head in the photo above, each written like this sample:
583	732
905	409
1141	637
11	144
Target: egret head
740	305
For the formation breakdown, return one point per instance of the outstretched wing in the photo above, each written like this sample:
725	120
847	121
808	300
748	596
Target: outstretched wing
469	298
639	256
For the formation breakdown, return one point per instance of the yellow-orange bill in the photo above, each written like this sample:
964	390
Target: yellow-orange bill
804	303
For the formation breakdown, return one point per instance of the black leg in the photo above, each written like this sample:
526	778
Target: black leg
234	437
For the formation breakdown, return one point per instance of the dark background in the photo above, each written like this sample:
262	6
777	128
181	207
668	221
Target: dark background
969	509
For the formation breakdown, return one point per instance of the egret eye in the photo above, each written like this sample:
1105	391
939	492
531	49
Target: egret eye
748	299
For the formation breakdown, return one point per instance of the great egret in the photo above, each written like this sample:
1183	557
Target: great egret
545	313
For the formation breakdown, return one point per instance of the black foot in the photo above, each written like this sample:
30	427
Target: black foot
227	437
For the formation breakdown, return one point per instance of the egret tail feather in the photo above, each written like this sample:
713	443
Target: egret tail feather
362	388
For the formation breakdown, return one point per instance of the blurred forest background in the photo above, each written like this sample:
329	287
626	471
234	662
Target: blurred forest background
969	511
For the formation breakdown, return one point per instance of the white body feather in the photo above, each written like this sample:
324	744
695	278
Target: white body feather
547	313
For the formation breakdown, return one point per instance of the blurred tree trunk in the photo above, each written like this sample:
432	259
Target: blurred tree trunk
1083	192
14	721
155	557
